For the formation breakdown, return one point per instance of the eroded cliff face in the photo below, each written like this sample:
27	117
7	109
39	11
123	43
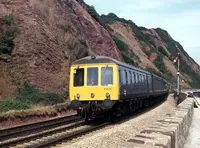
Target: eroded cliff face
126	34
39	39
149	51
52	34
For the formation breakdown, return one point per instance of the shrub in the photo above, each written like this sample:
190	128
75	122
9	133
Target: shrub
151	70
160	64
152	42
30	95
121	45
10	104
126	53
6	42
7	35
8	19
68	3
128	59
163	51
111	18
184	67
171	44
92	11
83	42
147	52
60	2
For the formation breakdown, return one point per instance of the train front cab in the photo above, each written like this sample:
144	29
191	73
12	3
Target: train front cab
94	86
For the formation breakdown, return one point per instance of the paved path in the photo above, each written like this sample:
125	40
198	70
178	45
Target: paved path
193	140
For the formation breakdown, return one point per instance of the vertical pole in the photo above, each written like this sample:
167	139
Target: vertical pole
178	76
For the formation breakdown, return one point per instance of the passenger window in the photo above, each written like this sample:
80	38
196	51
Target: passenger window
79	77
133	79
120	81
106	76
149	80
142	78
92	76
130	78
123	77
126	77
137	78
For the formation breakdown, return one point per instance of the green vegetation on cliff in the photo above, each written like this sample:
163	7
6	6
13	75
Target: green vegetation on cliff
11	104
171	46
8	32
126	53
111	18
92	11
166	38
28	96
160	64
163	51
184	67
170	51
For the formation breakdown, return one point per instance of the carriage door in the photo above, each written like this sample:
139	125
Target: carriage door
122	79
149	83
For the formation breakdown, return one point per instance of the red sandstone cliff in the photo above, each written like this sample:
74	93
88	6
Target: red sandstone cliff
52	35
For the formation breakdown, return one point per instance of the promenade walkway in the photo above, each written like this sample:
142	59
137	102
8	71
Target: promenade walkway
193	140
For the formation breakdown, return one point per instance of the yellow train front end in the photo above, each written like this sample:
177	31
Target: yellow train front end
93	87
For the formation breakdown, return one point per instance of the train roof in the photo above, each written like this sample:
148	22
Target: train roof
95	59
104	59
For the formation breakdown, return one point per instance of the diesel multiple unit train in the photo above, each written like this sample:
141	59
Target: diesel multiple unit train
100	83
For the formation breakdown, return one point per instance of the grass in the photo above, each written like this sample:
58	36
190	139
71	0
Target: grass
5	87
31	102
48	111
29	96
10	104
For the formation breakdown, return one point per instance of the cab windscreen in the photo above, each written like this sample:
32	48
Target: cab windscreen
79	77
92	76
106	76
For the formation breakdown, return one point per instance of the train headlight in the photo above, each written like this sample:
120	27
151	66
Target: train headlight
78	96
92	95
107	96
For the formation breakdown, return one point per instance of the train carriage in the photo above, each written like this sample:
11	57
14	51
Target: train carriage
102	83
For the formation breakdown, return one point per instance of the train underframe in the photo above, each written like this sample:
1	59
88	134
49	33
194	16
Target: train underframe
108	108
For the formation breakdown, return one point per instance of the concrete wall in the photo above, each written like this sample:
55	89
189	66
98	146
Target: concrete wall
171	132
181	98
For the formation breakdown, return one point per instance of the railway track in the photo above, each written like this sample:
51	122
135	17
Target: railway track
23	133
51	134
15	131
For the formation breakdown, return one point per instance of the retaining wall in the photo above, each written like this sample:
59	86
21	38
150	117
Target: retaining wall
171	132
